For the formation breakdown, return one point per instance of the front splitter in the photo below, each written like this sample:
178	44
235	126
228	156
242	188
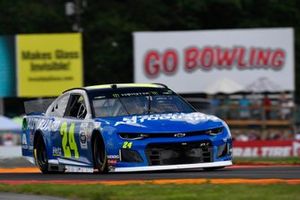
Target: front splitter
172	167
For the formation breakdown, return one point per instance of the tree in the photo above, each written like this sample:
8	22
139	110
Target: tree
108	25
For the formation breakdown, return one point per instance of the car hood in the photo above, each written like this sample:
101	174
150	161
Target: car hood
160	123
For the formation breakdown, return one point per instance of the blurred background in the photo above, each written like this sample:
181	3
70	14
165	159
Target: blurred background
236	59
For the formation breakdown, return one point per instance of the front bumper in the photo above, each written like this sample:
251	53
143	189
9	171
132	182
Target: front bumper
172	167
164	153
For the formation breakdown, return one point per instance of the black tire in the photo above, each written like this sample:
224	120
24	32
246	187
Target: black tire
212	168
41	155
99	155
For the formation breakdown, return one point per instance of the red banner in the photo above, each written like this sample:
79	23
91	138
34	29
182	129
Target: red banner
261	148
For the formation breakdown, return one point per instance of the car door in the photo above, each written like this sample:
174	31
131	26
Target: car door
75	129
56	112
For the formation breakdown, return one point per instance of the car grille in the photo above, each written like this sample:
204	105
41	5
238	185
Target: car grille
179	153
166	135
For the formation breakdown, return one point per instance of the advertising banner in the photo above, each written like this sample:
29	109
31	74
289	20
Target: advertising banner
275	148
7	66
228	61
48	64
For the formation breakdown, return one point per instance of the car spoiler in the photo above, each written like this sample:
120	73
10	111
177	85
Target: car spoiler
37	106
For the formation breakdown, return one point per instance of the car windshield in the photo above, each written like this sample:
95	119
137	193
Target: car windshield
139	105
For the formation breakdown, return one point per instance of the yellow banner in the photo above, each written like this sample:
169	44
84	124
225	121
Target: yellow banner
48	64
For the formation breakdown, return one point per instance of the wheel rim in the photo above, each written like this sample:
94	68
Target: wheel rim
42	155
99	154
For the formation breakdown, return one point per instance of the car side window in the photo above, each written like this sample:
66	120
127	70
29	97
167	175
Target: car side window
59	106
76	107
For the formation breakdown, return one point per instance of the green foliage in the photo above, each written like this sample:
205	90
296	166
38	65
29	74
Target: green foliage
108	25
32	16
267	160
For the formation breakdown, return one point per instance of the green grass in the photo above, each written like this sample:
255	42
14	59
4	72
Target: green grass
279	160
161	192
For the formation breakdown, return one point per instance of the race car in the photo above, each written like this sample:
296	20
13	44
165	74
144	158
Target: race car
123	128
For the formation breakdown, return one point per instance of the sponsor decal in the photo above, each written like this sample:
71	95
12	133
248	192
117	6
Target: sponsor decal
83	140
204	144
113	156
112	162
192	118
112	159
56	151
31	136
78	169
127	145
54	126
266	148
43	124
68	140
179	135
85	132
24	141
31	123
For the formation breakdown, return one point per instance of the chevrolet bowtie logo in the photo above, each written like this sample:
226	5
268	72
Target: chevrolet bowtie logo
179	134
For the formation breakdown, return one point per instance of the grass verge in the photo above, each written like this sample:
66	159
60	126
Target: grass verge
279	160
160	192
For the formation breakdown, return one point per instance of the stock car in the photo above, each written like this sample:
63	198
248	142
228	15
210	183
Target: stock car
122	128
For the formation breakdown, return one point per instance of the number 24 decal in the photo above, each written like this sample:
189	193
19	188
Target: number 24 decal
68	140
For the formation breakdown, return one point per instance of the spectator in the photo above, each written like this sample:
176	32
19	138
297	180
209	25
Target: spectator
253	135
226	106
286	106
242	137
215	103
267	106
255	102
275	135
244	104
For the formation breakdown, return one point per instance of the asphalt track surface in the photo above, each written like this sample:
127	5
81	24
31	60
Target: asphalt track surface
243	172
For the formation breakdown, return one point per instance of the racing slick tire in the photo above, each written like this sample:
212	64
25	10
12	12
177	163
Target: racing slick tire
40	154
99	154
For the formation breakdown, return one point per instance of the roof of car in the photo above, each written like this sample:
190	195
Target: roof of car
125	85
121	85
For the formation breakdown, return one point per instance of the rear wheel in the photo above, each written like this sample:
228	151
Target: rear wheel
40	153
99	154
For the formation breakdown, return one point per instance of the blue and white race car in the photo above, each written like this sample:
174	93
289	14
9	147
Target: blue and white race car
124	128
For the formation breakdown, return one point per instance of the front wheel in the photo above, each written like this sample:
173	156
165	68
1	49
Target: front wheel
40	154
99	155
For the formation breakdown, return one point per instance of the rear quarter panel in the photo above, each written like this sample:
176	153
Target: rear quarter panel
32	124
50	128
